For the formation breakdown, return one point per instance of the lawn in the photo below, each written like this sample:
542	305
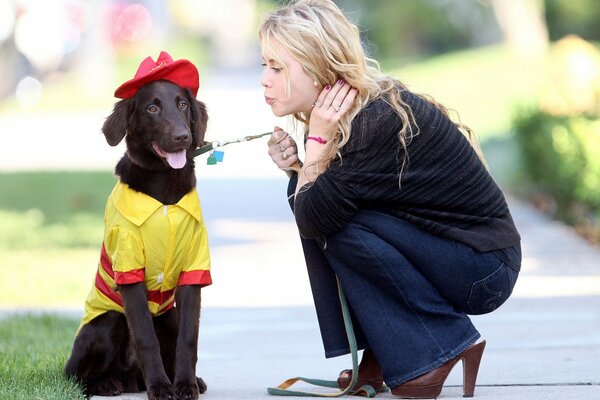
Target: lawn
484	86
52	226
33	350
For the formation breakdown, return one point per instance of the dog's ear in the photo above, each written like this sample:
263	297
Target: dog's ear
117	122
199	119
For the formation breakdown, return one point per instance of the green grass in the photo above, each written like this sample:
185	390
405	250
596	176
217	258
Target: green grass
52	210
33	350
57	195
52	227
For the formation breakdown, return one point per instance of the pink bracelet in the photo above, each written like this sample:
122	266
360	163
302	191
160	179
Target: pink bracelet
317	139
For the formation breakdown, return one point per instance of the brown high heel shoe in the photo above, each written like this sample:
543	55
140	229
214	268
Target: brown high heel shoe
369	373
429	385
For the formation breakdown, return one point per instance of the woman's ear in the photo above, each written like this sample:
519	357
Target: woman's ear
199	119
117	122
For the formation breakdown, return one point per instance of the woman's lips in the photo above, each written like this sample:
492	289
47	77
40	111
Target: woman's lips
269	100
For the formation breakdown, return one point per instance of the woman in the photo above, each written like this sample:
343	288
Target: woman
393	199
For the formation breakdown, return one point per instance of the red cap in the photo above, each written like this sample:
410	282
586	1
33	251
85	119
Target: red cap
180	72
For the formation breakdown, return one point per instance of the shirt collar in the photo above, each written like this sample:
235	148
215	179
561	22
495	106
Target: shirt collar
137	207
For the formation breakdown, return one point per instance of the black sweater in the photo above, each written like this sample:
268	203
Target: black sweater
446	190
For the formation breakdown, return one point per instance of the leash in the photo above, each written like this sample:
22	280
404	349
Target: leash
217	156
282	389
366	390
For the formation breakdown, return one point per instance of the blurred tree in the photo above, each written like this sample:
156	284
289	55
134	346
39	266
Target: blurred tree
579	17
410	29
523	25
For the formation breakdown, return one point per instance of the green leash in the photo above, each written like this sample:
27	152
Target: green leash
282	390
366	390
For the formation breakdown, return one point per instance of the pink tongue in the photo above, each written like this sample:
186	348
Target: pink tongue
177	160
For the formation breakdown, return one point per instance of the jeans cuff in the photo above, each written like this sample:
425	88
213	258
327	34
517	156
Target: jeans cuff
344	351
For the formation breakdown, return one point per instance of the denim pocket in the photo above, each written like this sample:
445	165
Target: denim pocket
490	292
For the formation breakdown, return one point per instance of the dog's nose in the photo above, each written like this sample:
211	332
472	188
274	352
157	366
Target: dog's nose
180	136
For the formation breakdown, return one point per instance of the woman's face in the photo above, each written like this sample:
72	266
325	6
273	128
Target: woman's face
303	92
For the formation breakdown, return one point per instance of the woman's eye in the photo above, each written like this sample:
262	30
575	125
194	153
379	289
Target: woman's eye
152	109
275	69
182	105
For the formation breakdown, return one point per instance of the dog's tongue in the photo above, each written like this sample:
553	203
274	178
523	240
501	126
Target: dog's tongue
177	160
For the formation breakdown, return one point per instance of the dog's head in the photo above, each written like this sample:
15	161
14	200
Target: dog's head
163	124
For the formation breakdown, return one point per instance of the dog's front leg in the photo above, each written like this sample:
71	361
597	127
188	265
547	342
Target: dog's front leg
146	344
187	386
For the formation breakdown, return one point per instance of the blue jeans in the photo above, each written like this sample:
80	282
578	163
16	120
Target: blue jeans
409	292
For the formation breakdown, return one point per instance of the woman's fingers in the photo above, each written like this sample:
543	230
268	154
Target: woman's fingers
321	98
277	136
347	101
342	93
336	90
331	98
282	149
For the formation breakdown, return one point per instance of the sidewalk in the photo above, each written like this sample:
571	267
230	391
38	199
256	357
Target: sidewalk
544	343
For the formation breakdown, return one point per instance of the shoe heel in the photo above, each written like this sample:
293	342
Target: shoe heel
471	360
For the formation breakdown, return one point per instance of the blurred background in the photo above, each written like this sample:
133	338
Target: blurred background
525	75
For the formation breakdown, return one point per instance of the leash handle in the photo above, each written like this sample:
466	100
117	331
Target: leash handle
366	390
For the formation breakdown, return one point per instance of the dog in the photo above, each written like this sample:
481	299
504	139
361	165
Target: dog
140	327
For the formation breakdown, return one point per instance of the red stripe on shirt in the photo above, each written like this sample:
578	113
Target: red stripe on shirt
105	262
158	297
198	277
106	290
167	307
120	278
129	277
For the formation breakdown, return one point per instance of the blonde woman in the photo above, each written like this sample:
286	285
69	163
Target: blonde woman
393	198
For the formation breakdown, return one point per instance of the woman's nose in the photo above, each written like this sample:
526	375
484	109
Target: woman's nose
264	81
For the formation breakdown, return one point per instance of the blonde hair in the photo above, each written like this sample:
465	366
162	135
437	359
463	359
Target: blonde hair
328	45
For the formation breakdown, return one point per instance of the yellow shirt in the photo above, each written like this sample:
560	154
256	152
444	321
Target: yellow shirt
146	241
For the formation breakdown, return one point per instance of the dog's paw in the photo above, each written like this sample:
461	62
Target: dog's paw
201	385
187	390
105	387
161	391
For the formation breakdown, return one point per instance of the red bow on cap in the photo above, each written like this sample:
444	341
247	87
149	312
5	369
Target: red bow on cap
180	72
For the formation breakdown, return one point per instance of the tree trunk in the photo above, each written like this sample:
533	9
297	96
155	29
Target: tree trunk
523	25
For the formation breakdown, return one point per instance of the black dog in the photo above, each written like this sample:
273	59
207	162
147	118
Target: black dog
114	352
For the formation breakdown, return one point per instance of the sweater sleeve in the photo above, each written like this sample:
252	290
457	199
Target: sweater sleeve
329	203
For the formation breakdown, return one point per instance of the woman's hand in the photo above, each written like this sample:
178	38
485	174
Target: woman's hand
283	151
333	102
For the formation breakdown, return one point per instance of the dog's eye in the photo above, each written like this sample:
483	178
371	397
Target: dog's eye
152	108
182	105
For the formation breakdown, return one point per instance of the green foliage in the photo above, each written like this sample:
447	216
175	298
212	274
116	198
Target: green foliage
33	350
560	157
579	17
